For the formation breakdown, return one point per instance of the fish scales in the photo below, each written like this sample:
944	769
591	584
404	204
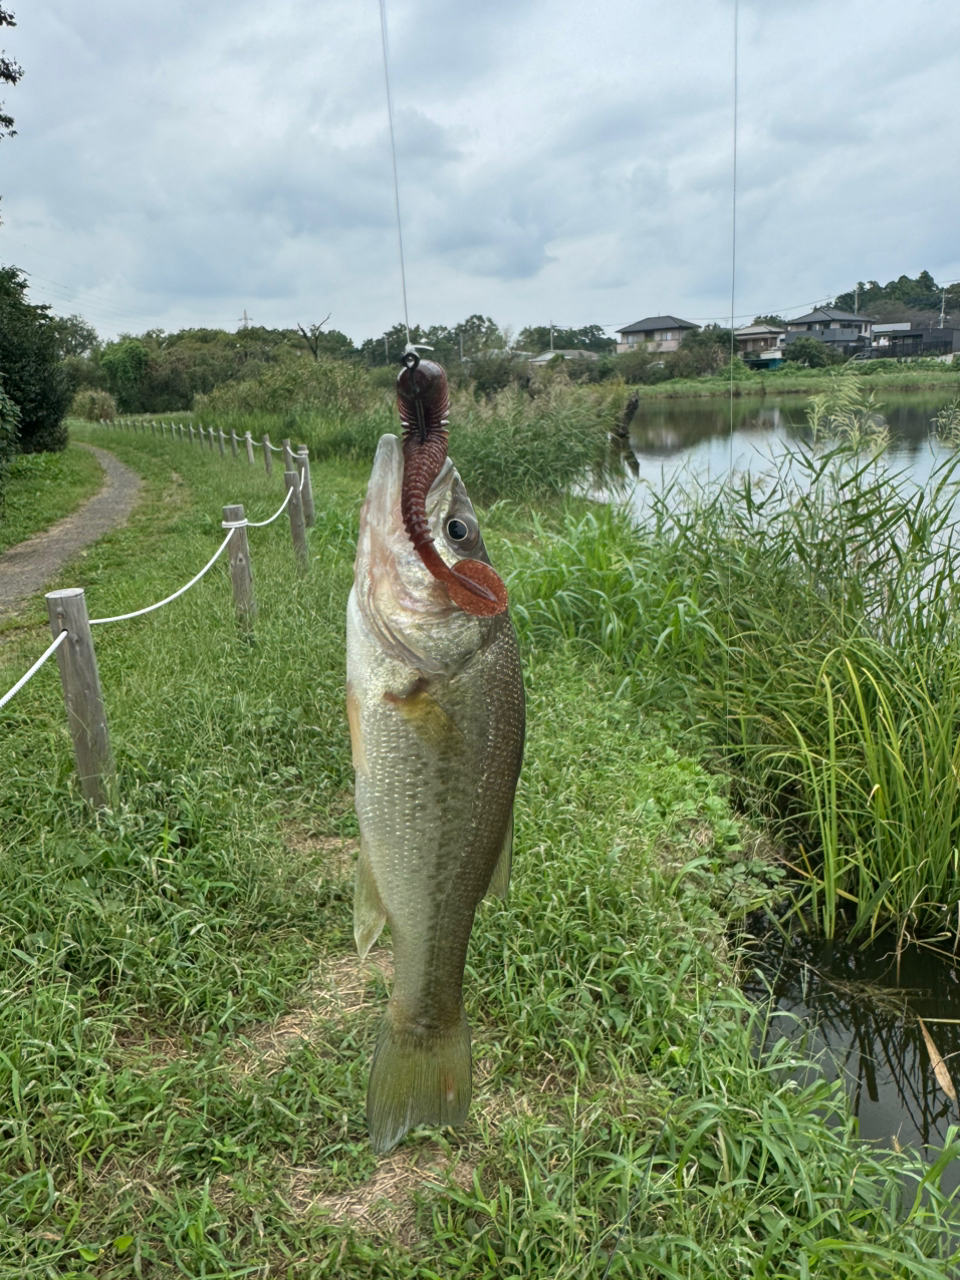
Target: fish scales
436	710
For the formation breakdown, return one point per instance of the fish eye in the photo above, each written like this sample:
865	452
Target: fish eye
462	533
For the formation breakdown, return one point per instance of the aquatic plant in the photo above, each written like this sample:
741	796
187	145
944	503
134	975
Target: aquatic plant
847	414
946	424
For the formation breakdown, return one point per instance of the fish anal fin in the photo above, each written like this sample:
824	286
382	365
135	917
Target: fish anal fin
500	880
417	1079
369	915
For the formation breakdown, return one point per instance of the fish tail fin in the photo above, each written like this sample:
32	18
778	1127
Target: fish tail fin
417	1079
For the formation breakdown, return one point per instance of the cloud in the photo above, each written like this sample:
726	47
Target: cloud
175	164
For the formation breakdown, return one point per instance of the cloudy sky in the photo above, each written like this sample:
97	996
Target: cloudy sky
561	162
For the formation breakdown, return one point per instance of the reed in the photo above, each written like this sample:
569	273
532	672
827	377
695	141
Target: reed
808	625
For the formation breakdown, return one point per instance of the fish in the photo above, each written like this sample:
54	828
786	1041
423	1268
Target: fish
435	706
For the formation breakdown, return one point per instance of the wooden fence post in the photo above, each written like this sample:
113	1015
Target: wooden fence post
153	427
233	441
241	571
297	528
210	438
193	435
248	441
267	458
202	433
220	440
288	463
303	465
80	679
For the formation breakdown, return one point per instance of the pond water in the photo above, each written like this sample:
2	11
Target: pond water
693	439
857	1006
859	1010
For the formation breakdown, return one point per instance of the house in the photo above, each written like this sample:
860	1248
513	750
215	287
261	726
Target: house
845	330
901	340
828	320
656	333
755	338
568	353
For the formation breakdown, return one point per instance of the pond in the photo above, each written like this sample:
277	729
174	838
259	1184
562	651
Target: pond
692	438
864	1009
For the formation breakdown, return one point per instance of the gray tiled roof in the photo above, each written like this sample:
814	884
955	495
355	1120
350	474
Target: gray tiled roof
657	322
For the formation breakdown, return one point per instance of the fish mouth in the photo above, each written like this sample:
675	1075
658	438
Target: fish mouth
382	507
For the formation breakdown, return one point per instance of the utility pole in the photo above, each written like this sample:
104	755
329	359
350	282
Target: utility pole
856	301
386	350
461	346
943	303
551	336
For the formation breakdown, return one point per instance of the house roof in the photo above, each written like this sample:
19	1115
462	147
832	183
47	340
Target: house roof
568	353
657	322
757	330
830	313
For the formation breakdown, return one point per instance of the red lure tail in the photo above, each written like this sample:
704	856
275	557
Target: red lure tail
424	402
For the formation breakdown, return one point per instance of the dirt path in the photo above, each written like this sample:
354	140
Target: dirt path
27	568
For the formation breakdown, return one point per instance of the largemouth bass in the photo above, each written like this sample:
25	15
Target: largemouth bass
436	711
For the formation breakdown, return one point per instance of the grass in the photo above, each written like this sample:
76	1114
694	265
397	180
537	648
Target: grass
185	1033
42	487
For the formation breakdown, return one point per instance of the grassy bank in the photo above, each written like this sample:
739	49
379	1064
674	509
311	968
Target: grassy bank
185	1031
42	487
882	375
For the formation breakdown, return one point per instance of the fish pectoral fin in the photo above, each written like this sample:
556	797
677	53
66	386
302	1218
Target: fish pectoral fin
369	915
429	719
500	880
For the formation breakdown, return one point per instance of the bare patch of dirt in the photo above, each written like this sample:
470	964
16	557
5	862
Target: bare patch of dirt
342	987
385	1205
338	853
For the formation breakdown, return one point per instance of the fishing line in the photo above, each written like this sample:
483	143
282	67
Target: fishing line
393	154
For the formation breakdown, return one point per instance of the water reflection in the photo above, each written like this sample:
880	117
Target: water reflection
693	438
861	1008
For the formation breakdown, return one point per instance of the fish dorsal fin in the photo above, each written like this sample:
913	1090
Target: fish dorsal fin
500	880
369	916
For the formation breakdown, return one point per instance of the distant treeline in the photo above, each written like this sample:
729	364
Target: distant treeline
902	299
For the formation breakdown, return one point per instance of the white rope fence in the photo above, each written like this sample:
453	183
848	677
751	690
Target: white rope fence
67	611
138	613
48	652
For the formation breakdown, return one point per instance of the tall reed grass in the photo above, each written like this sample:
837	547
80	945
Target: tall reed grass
809	627
513	445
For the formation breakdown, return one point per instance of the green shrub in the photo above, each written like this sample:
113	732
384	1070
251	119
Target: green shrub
32	370
9	437
93	406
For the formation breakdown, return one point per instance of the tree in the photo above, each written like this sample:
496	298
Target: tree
312	339
778	320
74	336
10	73
33	375
590	337
701	351
125	364
811	352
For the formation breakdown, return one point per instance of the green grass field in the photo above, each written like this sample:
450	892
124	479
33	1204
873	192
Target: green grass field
42	487
185	1030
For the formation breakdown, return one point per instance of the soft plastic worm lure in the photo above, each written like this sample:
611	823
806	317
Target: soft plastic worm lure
424	401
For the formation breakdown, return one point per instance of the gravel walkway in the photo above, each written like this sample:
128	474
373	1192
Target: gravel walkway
27	568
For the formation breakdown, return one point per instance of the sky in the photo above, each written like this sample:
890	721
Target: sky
179	165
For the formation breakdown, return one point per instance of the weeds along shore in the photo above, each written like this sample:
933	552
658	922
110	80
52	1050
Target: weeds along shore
184	1029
